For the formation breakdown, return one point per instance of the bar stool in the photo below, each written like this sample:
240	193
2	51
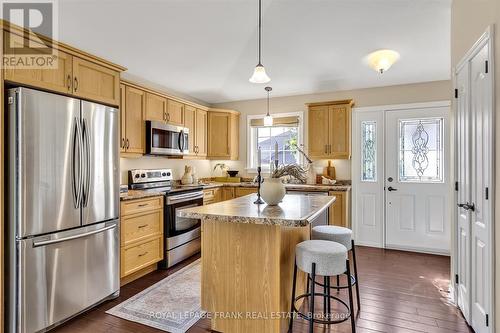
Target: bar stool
325	258
342	236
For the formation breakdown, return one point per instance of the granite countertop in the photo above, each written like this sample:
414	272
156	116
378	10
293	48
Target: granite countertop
294	211
139	194
292	187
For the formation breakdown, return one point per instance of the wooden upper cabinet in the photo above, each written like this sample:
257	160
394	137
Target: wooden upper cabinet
95	82
340	123
58	79
189	122
135	103
123	137
330	130
223	135
319	131
201	124
156	107
175	113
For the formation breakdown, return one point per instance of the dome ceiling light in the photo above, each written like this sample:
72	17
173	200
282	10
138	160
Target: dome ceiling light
382	60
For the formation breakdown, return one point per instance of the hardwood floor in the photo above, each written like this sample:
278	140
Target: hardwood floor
401	292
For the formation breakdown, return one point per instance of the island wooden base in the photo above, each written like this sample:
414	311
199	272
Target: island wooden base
247	272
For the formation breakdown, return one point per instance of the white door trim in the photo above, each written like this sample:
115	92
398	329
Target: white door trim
408	106
486	39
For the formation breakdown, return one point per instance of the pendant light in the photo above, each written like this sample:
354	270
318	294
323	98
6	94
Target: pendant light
259	73
268	119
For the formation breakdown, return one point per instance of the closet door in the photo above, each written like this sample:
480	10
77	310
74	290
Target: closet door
463	194
481	149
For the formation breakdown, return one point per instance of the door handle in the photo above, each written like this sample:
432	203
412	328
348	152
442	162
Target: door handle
69	82
60	240
168	116
123	142
128	144
86	188
76	84
390	189
467	206
77	183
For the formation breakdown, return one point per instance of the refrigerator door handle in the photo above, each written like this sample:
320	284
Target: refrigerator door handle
77	183
65	239
86	188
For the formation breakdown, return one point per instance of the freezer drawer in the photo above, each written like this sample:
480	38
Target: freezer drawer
62	274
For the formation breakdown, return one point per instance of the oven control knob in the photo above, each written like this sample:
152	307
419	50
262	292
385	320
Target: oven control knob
137	175
163	174
168	173
143	175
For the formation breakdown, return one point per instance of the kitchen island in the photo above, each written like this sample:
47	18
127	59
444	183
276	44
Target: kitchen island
247	258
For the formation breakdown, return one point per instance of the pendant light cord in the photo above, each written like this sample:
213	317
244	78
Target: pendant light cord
260	28
268	103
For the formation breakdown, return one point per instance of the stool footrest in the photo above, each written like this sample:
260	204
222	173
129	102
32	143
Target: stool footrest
353	282
320	321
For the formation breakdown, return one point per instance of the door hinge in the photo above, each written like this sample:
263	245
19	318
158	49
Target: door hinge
456	93
456	186
487	193
487	321
456	278
486	69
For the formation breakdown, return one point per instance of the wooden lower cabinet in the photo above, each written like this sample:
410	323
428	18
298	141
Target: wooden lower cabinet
340	210
242	191
228	193
212	195
141	237
225	193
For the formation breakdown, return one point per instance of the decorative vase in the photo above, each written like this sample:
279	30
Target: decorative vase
272	191
195	176
187	178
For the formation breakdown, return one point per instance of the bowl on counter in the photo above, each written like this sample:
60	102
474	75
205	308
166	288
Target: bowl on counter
232	173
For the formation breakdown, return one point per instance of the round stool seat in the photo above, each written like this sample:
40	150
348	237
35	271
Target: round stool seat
333	233
329	257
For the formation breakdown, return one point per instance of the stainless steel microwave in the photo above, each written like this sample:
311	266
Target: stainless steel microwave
164	139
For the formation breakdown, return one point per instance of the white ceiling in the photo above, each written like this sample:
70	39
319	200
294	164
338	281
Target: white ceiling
207	48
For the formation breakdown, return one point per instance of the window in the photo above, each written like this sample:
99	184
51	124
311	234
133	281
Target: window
286	132
421	150
369	151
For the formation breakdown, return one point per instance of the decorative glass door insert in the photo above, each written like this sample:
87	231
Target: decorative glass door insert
368	151
421	150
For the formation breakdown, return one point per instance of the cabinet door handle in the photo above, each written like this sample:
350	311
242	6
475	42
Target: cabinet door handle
168	116
68	81
123	143
128	144
142	226
164	116
143	254
76	84
142	205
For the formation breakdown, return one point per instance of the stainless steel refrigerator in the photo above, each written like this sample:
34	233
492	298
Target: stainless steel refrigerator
63	208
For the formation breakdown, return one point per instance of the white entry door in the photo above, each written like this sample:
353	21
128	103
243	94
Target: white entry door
416	180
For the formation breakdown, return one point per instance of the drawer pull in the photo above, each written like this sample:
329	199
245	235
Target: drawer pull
142	205
142	226
143	254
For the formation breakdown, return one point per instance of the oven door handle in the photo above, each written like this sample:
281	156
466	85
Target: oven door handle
184	197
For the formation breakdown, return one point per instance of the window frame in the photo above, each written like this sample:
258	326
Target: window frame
251	162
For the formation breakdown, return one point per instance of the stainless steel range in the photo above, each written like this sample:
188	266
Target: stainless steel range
182	235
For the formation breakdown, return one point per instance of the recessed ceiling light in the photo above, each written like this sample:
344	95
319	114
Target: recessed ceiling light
382	60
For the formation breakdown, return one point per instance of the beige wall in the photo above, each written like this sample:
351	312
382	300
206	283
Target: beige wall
469	20
401	94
